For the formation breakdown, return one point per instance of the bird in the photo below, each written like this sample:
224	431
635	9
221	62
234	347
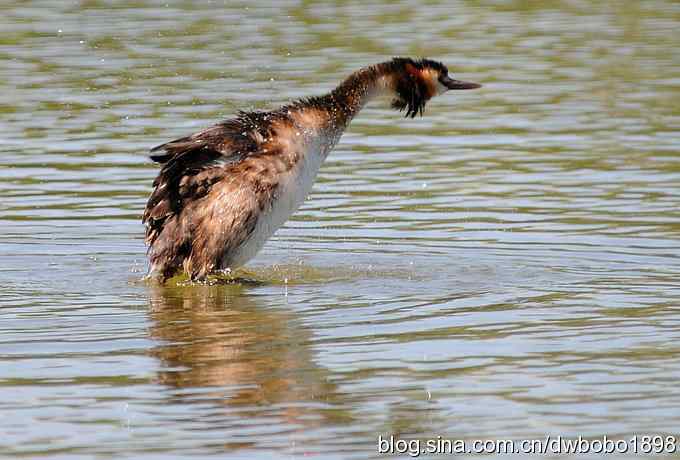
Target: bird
222	192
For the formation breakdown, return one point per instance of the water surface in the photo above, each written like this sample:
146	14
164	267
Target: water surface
505	267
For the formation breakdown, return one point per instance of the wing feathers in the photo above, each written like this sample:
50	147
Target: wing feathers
190	168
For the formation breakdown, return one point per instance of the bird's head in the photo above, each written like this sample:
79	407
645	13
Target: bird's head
417	81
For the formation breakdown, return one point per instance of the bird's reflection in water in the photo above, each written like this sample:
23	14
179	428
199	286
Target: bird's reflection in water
220	347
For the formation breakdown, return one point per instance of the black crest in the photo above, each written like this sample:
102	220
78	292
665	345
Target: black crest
412	90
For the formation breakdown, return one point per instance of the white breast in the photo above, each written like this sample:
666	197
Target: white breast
294	187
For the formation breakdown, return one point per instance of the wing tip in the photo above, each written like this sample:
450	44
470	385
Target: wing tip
160	157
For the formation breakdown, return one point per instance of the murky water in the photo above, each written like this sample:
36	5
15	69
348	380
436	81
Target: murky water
505	267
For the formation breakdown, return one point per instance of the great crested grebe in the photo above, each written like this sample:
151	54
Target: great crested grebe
222	192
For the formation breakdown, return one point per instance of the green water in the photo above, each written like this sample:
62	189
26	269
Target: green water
504	268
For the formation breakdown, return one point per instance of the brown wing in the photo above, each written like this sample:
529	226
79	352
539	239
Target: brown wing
190	166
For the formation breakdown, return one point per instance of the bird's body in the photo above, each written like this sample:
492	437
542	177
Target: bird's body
223	192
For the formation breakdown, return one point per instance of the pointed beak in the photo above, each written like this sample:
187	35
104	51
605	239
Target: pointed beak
450	83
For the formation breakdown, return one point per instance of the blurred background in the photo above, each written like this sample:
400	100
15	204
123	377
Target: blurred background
504	267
